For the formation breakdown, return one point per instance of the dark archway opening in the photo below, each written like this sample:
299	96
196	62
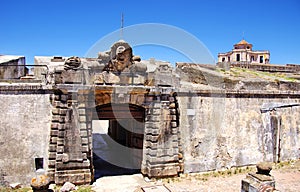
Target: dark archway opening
118	134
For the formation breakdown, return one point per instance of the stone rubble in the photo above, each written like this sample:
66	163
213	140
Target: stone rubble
67	187
15	186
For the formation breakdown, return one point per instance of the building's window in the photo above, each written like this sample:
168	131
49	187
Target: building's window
39	163
266	60
261	59
223	59
252	58
228	59
238	57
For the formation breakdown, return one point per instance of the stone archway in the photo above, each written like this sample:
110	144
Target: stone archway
75	109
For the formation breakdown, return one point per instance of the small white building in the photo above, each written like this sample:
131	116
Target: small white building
242	53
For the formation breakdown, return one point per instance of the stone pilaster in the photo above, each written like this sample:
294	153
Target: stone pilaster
161	155
70	139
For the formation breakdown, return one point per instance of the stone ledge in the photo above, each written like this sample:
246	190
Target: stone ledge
80	177
72	165
161	171
260	177
224	93
25	89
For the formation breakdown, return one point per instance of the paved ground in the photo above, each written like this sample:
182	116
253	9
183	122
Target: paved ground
287	180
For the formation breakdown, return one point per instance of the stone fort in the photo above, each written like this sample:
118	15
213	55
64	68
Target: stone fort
82	118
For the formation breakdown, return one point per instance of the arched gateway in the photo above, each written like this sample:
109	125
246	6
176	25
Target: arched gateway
139	103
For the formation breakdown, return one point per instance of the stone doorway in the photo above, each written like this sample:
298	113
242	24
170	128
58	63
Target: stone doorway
118	134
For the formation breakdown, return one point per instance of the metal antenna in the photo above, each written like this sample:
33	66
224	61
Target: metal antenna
243	35
122	26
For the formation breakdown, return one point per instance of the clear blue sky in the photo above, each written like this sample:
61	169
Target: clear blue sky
70	27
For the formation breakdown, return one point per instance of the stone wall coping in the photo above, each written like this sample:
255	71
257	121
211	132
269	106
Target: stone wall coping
25	88
183	92
78	86
239	93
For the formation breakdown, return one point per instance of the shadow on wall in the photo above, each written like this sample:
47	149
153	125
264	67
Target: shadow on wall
105	150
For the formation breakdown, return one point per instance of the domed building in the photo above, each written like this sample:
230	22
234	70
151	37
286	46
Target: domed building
242	53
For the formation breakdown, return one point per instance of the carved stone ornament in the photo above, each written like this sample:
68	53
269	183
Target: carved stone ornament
73	63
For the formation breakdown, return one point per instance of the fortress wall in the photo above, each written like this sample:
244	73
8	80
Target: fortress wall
24	133
217	130
220	131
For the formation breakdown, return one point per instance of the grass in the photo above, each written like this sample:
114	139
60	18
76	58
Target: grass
207	175
284	164
242	72
220	70
84	189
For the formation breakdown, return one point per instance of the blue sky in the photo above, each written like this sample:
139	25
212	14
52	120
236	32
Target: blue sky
71	27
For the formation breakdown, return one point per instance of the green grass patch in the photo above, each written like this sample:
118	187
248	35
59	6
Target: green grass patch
6	189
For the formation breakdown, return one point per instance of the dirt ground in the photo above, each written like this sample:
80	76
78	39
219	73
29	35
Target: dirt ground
287	181
287	177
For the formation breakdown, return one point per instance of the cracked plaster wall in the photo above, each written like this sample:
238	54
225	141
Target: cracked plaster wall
218	133
24	135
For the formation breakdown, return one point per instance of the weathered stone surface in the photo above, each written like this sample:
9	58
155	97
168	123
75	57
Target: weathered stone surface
72	138
264	168
261	177
73	63
15	185
257	182
110	78
79	177
40	183
72	77
25	135
207	141
98	79
67	187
